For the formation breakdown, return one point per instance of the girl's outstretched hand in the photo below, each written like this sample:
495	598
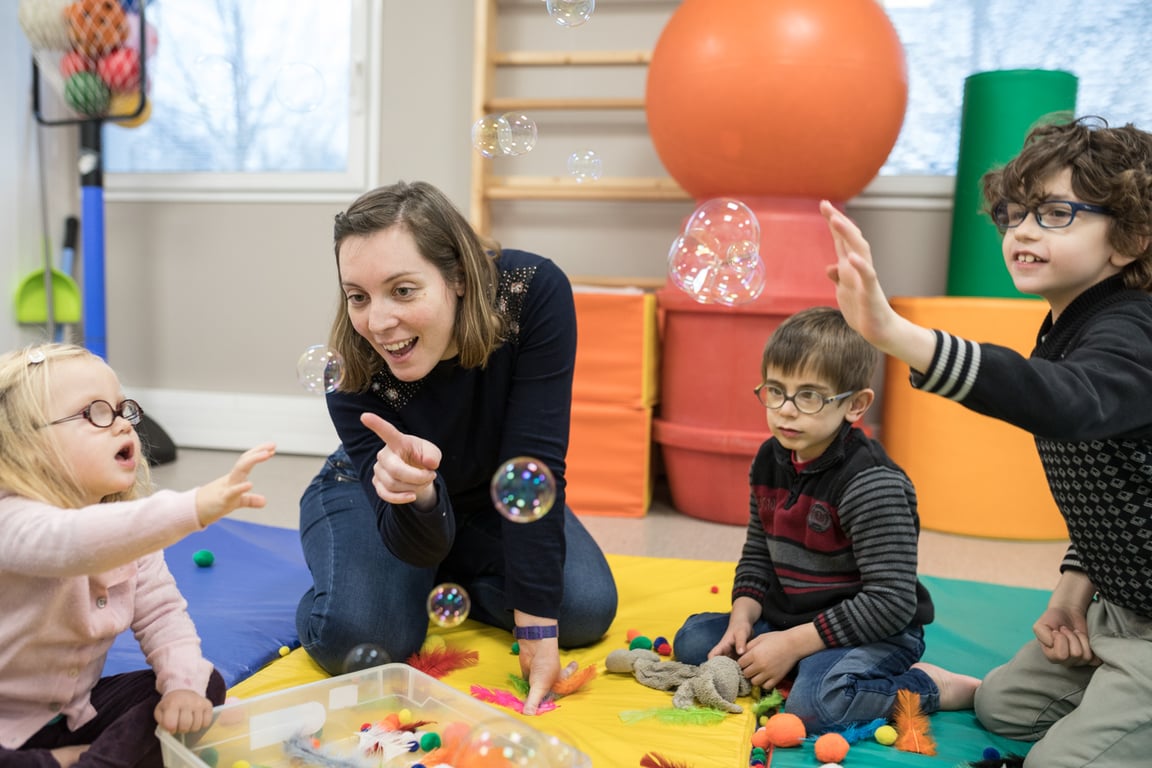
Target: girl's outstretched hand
226	494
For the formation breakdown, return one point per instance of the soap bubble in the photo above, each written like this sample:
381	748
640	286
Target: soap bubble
299	86
215	82
716	259
507	742
486	133
571	13
365	656
523	489
448	604
585	165
516	134
320	369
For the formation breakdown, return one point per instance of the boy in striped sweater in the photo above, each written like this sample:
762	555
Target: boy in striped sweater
826	590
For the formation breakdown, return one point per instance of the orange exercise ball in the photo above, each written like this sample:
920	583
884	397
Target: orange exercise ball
788	98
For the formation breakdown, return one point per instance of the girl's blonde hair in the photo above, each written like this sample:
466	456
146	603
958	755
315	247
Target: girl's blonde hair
32	463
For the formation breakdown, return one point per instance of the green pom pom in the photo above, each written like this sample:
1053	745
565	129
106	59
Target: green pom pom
640	642
429	741
515	648
210	756
203	558
87	94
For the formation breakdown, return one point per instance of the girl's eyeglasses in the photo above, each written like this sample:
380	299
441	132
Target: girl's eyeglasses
100	413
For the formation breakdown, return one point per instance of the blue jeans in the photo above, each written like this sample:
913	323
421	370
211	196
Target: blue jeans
835	687
362	593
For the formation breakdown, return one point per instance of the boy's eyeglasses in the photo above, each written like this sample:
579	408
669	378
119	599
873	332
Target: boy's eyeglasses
100	413
807	401
1051	214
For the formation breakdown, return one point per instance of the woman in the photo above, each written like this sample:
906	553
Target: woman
458	356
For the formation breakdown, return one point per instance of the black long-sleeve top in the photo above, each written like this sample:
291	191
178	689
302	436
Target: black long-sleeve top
1085	394
518	405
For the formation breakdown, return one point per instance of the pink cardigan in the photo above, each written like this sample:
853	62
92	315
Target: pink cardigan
70	581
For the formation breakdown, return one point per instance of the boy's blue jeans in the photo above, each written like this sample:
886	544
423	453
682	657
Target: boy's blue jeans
362	593
835	687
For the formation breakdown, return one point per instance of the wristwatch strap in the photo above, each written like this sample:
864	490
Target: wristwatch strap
536	632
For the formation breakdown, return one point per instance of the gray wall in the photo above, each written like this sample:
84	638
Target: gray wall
221	298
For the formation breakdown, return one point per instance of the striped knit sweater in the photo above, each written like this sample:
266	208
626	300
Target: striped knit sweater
1084	395
834	543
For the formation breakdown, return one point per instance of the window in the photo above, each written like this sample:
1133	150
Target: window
1103	44
252	97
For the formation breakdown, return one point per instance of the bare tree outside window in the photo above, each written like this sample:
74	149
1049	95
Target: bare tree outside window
243	86
1102	43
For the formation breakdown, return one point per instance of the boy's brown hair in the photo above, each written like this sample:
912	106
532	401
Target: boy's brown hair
1111	167
819	341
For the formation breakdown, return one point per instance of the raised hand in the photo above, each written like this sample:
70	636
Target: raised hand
226	494
862	300
405	467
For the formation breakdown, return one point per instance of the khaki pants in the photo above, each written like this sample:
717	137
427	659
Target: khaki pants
1085	716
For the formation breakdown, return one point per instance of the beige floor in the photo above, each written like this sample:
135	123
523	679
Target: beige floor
664	532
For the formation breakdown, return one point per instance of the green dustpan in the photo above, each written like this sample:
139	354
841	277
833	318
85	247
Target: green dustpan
32	304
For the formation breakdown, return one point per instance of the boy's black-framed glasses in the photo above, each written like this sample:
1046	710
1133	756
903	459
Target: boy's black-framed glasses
101	413
1050	214
807	401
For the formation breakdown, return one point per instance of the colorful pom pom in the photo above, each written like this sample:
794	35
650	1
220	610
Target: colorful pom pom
831	748
785	730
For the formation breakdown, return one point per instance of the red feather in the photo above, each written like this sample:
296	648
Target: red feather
656	760
438	662
911	725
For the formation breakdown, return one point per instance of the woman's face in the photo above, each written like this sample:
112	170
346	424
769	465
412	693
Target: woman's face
399	301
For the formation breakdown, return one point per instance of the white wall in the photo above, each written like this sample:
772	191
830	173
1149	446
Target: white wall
210	304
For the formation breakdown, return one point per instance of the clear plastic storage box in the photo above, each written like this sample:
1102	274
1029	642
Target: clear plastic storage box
329	716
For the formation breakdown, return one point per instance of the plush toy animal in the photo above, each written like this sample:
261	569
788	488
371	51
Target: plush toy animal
716	683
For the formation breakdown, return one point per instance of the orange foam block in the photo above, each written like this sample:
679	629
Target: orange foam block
974	475
610	460
616	347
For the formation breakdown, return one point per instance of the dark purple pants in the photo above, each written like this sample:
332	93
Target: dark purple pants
123	733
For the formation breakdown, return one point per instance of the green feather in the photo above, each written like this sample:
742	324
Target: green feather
676	716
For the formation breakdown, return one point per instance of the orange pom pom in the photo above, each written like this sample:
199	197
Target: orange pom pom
760	738
831	748
785	730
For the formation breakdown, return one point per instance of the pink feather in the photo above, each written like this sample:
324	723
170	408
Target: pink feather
507	699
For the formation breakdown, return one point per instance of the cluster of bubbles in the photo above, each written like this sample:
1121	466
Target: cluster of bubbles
523	489
510	134
320	369
716	259
448	604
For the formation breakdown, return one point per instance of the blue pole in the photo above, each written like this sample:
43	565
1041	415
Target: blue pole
94	317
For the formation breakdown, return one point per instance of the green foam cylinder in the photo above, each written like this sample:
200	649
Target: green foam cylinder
999	109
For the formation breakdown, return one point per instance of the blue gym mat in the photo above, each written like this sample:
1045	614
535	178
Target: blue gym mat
244	604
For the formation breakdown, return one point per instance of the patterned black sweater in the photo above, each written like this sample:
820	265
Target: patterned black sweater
834	542
1085	396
